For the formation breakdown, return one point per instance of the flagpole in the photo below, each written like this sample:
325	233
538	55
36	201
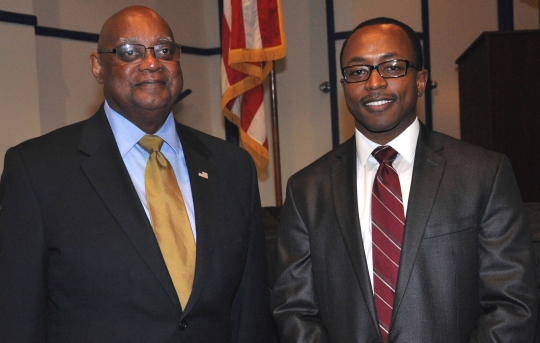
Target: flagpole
275	137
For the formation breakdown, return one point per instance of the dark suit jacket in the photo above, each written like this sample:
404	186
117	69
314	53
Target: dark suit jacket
79	261
467	265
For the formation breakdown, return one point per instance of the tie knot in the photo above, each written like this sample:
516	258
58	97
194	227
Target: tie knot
151	143
384	154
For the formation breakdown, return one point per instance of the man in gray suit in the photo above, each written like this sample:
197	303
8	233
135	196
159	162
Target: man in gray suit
464	269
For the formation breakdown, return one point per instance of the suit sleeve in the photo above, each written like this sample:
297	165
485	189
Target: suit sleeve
23	257
507	289
251	318
294	299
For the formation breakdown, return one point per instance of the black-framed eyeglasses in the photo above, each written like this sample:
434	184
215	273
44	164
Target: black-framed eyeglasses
135	53
387	69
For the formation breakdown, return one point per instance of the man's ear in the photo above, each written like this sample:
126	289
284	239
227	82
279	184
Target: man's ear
97	68
421	81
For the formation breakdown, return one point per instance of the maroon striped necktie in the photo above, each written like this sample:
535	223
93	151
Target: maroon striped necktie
387	222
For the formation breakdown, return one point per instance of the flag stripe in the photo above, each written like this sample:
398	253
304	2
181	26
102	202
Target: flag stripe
251	25
237	37
270	29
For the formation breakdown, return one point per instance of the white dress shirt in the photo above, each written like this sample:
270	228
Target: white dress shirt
366	168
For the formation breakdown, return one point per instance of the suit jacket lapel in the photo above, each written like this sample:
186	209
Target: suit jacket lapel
204	188
427	173
343	179
108	175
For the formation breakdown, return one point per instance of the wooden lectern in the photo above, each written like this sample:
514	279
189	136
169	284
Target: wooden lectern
499	93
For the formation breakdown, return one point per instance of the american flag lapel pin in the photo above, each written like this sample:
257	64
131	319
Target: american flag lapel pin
203	174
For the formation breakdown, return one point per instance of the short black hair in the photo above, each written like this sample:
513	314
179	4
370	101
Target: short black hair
413	37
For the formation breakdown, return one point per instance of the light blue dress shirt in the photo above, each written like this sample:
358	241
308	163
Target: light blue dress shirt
127	135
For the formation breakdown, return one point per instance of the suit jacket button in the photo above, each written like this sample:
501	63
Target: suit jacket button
376	340
183	325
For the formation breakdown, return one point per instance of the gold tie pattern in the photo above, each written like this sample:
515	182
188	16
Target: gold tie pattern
169	218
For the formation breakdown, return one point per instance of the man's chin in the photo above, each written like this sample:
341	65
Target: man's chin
152	105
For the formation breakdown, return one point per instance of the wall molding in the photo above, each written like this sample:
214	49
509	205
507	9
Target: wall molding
67	34
31	20
18	18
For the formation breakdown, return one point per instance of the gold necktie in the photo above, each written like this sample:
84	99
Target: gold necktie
169	218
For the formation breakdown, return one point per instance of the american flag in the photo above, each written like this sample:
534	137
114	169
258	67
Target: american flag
203	174
253	37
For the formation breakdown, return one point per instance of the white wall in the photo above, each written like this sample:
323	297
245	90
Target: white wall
20	6
49	84
526	16
68	92
304	111
19	109
479	16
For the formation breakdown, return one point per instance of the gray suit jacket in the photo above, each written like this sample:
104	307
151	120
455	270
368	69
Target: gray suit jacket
79	261
467	264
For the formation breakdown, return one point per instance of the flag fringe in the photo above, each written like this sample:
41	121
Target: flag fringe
253	70
255	149
257	55
239	88
258	151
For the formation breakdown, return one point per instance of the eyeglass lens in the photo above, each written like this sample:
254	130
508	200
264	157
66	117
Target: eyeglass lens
388	69
136	52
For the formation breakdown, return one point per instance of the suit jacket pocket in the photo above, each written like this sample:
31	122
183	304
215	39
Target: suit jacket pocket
449	226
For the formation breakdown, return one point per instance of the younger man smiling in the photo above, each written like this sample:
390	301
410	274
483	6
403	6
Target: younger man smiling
430	244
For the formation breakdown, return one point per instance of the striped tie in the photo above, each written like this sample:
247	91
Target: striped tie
387	221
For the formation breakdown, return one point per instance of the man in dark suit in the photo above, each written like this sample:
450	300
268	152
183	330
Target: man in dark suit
464	269
79	261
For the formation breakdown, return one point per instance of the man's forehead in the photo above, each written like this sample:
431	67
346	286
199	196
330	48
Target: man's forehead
371	31
384	56
135	23
384	41
138	40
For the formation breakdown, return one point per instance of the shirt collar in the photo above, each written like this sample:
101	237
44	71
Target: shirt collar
127	134
404	144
